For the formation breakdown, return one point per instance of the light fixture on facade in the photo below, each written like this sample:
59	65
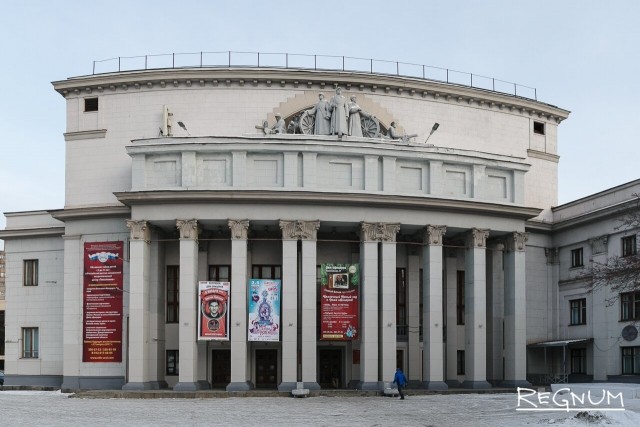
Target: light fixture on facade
433	129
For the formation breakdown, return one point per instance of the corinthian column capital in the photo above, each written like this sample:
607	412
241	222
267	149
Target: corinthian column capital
433	234
139	230
379	231
516	241
239	228
477	238
188	228
303	230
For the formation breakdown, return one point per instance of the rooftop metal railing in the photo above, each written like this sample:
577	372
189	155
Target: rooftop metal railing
311	62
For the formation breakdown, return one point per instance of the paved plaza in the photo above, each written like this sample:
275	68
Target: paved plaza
52	408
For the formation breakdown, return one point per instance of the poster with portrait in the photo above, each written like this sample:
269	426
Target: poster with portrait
102	302
264	310
339	294
214	311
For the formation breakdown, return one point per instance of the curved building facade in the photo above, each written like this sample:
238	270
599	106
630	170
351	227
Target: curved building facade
178	194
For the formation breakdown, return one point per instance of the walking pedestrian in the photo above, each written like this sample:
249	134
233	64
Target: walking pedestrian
401	380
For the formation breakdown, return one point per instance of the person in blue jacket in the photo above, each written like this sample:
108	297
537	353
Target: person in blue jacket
401	380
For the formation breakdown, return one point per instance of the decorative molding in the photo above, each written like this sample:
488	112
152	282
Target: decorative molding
544	156
297	229
85	134
433	234
516	241
599	244
239	228
553	255
139	230
188	228
379	231
477	238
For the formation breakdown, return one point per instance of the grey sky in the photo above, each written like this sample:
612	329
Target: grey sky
581	55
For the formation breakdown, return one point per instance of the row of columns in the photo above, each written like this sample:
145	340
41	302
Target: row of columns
378	306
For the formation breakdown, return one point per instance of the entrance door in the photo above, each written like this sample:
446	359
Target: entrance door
330	367
220	368
266	368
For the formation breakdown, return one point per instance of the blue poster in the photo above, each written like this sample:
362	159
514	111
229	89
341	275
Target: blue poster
264	310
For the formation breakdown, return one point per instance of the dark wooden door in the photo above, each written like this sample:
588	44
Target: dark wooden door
266	368
220	368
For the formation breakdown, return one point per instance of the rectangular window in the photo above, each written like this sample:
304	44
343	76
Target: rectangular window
30	272
90	104
578	310
172	362
578	360
628	246
220	273
401	302
630	360
630	306
538	127
266	272
30	343
576	258
460	362
173	293
460	297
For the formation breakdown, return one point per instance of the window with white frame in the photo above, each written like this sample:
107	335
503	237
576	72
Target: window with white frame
30	272
578	310
30	343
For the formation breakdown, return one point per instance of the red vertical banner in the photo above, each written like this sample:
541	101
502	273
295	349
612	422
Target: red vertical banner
214	311
339	293
102	302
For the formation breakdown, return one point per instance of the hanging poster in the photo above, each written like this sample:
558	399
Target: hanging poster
264	310
339	292
214	311
102	302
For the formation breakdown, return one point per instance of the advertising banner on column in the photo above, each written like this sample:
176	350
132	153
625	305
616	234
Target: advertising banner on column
339	293
102	302
214	311
264	310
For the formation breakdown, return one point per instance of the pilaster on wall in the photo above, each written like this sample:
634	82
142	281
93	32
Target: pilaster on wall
599	298
72	315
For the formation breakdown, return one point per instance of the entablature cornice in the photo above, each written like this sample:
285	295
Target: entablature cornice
23	233
324	198
194	78
91	212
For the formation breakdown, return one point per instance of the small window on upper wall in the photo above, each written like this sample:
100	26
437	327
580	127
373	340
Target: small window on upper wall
538	127
90	104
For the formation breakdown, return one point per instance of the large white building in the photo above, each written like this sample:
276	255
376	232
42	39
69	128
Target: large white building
171	181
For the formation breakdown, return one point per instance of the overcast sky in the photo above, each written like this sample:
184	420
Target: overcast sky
580	55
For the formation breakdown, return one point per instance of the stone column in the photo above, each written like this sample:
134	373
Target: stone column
187	329
475	301
453	329
288	319
433	317
515	312
138	305
371	374
388	335
495	313
238	330
309	307
414	371
72	314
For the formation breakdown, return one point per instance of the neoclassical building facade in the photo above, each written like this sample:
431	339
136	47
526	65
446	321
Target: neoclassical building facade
174	179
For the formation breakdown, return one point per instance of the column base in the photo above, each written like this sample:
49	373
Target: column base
368	385
204	385
311	385
137	386
452	383
239	386
515	383
287	386
435	385
476	385
186	386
